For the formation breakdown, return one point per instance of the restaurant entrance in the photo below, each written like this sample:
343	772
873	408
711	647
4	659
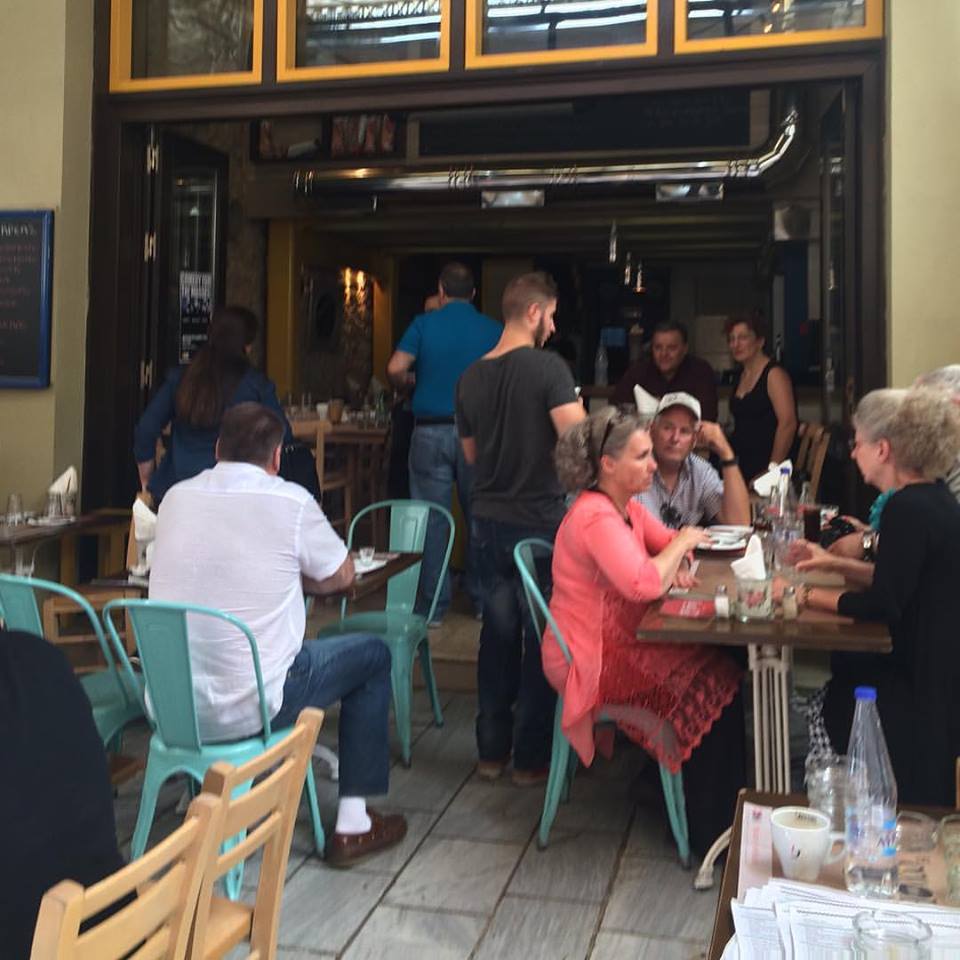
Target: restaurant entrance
706	204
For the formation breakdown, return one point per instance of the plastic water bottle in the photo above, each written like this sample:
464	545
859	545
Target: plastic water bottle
600	366
786	498
870	805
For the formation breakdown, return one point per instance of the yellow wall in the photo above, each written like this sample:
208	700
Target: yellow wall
46	78
923	210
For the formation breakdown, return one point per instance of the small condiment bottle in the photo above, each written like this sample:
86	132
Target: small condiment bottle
721	602
789	602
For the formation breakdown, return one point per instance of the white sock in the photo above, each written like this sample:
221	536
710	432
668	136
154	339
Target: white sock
352	816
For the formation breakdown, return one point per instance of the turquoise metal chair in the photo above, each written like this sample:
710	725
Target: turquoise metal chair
563	761
115	697
404	632
162	636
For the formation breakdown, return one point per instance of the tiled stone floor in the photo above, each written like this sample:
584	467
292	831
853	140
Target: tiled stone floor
469	881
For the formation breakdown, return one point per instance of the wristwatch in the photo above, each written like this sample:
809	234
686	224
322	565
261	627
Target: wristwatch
732	462
869	542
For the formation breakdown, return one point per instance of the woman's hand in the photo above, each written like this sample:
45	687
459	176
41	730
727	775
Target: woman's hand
685	579
692	537
809	556
850	546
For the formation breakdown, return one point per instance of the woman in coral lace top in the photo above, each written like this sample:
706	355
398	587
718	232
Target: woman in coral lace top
611	560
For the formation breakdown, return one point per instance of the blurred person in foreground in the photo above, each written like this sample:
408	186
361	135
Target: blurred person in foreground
612	559
57	801
904	446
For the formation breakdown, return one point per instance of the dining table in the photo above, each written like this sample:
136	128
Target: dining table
770	645
723	928
23	539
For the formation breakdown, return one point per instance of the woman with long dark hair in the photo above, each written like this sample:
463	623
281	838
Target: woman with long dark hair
193	398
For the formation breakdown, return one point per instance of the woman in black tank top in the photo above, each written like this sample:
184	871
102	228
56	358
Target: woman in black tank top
762	403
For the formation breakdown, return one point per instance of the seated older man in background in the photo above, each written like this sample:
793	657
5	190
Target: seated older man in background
671	368
239	538
686	490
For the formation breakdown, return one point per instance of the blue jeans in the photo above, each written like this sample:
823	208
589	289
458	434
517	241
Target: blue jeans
354	669
436	463
516	704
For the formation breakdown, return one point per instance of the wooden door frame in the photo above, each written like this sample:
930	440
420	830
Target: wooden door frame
112	344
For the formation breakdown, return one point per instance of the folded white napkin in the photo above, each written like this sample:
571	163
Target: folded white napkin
750	566
646	402
767	482
66	483
144	532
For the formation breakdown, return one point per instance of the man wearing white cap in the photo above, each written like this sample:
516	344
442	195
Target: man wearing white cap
686	490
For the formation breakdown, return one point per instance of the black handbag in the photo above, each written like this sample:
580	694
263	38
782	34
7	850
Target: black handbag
298	466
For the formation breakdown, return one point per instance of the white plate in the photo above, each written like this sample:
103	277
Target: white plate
724	546
727	531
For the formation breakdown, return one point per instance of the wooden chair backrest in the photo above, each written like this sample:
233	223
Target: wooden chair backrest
268	814
166	883
818	456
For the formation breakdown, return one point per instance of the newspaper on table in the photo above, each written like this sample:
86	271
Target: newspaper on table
777	918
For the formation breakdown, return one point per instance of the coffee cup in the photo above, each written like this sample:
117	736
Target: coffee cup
804	842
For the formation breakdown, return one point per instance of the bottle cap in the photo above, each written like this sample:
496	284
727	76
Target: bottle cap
865	693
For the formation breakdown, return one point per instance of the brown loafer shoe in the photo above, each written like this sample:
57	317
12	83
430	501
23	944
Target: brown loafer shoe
530	778
491	770
386	830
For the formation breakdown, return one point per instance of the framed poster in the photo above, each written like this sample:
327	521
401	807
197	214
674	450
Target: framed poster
26	269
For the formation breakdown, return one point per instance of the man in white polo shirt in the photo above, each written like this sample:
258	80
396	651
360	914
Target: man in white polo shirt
686	490
239	538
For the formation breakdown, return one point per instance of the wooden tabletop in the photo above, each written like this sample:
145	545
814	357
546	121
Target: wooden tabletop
813	630
723	921
349	432
367	583
24	533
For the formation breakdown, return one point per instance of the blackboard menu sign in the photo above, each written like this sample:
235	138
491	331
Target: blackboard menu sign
26	263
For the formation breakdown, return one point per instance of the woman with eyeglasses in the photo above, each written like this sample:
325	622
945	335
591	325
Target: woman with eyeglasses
904	442
762	403
611	560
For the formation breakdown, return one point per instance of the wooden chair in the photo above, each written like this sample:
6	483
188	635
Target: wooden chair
268	813
332	478
816	459
165	883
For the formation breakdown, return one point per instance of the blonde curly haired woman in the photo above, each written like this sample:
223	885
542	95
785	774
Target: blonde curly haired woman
611	560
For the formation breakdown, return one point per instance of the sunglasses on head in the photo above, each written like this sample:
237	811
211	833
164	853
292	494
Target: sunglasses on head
670	515
607	430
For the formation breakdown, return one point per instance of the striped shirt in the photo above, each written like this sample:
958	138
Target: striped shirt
696	498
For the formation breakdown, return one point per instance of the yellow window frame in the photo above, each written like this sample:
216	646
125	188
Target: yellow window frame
289	72
476	59
871	30
121	58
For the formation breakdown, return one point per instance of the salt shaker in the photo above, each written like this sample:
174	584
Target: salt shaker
721	602
789	602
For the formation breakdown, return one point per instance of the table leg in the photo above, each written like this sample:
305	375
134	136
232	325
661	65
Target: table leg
770	676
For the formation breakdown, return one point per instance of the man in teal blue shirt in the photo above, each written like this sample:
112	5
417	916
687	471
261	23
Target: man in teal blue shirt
441	343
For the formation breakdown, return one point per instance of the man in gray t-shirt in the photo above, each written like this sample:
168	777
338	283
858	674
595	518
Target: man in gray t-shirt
686	490
511	406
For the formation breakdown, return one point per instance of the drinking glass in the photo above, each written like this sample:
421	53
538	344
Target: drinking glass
826	780
785	531
884	935
754	599
306	404
812	519
950	842
14	509
366	554
54	506
916	832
